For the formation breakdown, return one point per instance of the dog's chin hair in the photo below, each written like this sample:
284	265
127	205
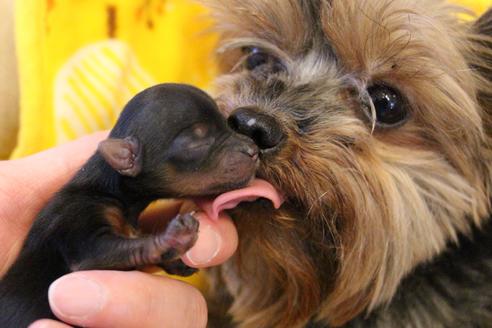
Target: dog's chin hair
365	206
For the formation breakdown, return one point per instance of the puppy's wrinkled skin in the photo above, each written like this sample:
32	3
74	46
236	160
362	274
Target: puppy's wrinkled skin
384	224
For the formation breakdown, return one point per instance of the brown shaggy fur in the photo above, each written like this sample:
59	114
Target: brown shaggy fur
365	204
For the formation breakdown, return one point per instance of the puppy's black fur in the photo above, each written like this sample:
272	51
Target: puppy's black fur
170	141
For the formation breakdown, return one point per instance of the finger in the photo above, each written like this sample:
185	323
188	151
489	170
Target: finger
156	217
53	167
126	299
37	177
27	184
46	323
217	241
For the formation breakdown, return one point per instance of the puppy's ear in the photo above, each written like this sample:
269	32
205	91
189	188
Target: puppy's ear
123	155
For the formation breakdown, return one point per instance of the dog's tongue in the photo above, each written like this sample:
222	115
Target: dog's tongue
256	189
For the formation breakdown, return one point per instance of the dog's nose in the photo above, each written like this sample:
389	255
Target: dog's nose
265	131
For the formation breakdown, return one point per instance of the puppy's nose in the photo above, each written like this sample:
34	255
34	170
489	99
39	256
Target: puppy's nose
252	151
265	131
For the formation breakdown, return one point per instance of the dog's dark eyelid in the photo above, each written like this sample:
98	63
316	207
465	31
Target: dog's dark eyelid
278	67
247	50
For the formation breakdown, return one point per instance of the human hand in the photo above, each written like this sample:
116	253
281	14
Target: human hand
104	298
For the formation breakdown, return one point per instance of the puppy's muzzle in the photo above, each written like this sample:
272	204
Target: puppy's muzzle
263	129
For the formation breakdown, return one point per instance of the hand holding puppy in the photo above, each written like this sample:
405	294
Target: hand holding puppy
101	296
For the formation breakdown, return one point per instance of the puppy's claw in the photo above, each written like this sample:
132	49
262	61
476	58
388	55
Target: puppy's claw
178	268
181	234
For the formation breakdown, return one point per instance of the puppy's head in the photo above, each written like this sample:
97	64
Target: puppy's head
172	140
383	154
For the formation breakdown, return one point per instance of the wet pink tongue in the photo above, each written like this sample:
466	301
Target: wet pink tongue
256	189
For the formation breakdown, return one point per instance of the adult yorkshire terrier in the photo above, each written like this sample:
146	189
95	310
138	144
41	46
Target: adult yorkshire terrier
374	120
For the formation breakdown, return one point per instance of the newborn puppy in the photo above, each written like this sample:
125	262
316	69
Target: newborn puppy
374	120
170	141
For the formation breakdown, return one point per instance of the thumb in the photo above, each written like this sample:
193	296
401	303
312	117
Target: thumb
126	299
26	185
50	168
29	182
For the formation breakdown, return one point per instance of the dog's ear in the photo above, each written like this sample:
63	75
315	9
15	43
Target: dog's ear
123	155
483	28
484	24
481	60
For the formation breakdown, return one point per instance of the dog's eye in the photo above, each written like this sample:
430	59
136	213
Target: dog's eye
256	58
391	108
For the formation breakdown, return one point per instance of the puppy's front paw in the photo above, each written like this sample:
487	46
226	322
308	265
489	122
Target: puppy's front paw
181	234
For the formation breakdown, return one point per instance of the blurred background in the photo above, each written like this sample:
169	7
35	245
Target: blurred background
67	67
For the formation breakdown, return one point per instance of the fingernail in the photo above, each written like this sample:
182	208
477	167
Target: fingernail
76	297
206	247
38	324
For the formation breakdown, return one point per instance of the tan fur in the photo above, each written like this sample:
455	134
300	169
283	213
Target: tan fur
115	218
365	205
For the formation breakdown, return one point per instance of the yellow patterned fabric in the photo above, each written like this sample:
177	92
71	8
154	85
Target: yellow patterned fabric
81	61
